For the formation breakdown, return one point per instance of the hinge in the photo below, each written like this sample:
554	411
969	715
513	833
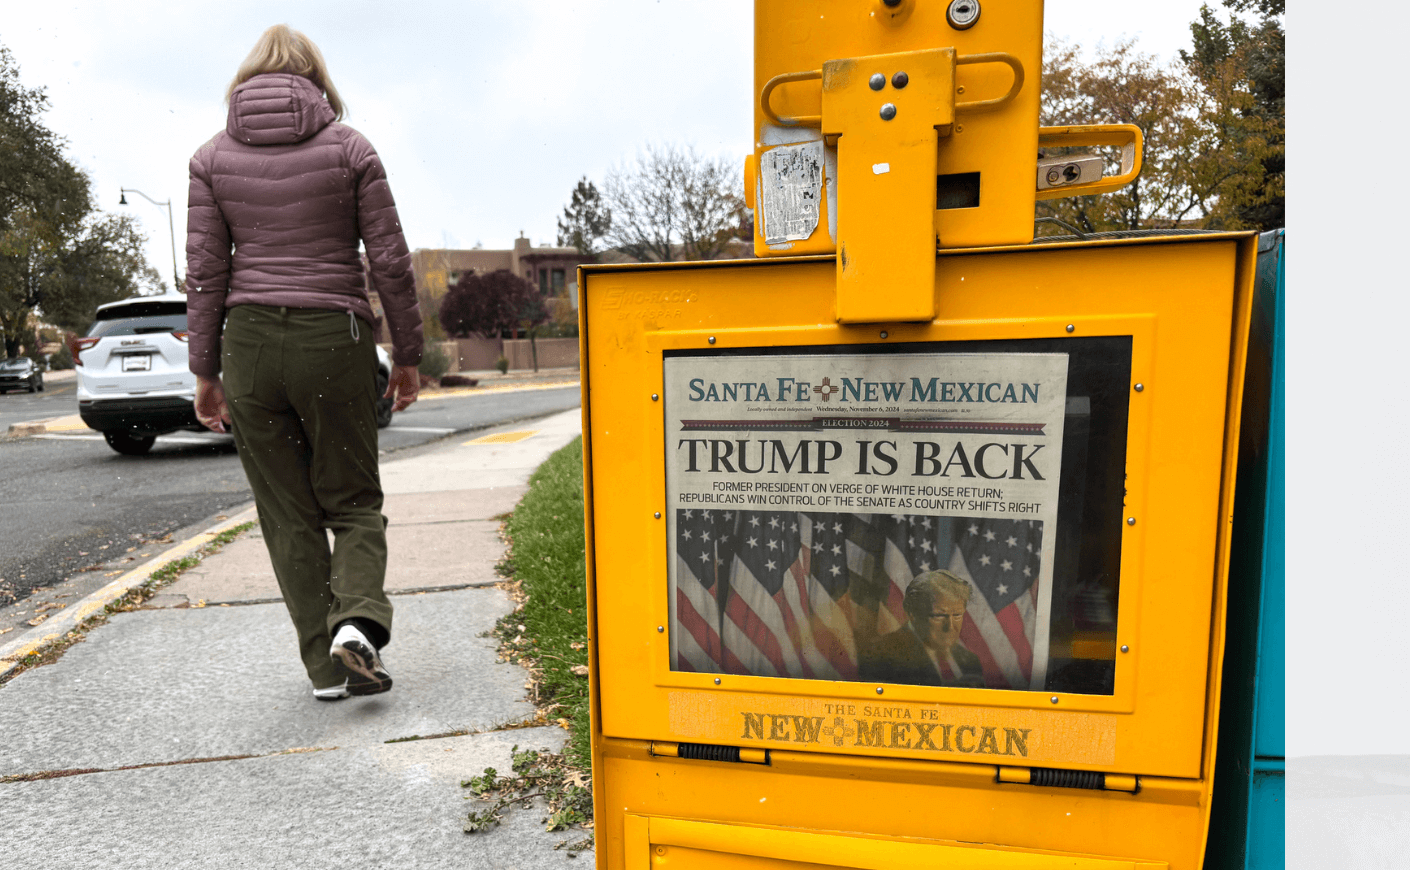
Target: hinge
1053	778
709	752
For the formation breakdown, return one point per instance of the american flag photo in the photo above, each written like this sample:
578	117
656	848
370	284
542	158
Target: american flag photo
820	595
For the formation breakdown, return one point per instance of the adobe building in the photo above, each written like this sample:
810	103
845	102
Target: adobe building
552	270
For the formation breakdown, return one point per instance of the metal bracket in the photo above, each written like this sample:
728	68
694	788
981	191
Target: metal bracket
886	114
1127	137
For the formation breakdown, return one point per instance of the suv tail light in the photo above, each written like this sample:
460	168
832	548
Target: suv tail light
180	335
79	345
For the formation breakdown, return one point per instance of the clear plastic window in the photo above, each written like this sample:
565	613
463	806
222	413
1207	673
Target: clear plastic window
927	514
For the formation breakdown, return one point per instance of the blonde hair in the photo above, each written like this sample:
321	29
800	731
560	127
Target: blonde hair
280	49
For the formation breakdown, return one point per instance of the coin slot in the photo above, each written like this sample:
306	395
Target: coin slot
957	190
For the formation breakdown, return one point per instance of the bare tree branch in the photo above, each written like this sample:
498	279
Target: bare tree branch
670	203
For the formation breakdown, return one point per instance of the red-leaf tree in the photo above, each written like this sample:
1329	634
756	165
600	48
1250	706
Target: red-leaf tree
491	303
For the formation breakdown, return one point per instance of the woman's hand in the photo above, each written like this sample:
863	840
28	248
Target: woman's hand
210	404
405	383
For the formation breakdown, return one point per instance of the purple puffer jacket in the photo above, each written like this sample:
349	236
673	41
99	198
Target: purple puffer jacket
291	192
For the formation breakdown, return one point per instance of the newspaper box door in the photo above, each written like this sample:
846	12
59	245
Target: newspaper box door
843	577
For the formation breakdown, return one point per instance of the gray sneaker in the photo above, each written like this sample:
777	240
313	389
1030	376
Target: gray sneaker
358	656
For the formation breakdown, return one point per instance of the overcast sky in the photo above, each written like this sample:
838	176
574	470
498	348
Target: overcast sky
486	113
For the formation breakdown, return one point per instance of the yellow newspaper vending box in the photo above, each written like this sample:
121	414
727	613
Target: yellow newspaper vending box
912	594
908	540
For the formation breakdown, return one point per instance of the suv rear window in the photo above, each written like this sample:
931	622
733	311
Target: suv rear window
139	318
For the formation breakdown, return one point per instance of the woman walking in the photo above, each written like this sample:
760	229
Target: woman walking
279	202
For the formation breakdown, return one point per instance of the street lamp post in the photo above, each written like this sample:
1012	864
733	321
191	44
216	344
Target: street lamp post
171	225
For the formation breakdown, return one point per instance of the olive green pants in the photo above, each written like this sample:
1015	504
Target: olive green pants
301	389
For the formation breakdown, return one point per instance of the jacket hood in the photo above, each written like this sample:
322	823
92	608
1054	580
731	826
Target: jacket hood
277	109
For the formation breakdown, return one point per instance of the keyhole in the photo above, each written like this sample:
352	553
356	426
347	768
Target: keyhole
962	14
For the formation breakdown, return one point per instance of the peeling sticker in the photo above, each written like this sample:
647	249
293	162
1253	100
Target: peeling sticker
790	191
880	168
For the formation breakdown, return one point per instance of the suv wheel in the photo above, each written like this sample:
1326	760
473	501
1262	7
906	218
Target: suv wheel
384	405
129	444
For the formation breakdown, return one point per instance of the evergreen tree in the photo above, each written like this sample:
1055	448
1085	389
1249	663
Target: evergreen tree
585	220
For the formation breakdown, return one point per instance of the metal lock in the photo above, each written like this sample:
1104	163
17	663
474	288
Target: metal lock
1069	170
962	14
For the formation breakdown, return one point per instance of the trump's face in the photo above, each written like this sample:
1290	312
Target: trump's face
946	620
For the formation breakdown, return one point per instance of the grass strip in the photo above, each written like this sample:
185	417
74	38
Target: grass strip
547	635
547	560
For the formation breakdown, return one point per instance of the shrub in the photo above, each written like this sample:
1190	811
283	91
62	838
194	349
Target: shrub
434	360
490	304
559	329
502	364
61	359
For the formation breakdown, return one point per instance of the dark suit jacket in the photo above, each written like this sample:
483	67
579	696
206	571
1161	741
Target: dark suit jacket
900	657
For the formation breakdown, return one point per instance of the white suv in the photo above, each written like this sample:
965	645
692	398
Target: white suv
134	382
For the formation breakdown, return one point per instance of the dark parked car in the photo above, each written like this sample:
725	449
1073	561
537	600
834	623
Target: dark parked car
20	372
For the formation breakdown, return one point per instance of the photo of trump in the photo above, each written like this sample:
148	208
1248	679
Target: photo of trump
927	650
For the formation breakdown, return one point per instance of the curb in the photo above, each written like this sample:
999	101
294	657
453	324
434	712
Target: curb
33	427
66	423
72	422
456	392
36	639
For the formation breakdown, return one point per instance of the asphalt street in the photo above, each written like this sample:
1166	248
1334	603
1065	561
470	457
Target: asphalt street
56	400
74	512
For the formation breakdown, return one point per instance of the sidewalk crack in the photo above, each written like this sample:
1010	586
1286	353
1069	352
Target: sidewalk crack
538	720
419	590
80	771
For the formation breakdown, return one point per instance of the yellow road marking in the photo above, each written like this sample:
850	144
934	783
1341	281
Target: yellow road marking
503	437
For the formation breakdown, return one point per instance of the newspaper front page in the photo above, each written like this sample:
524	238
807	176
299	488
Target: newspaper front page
864	517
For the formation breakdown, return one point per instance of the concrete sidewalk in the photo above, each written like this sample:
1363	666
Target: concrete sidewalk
185	734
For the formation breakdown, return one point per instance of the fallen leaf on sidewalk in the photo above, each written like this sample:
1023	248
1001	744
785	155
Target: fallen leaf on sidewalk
7	630
38	619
